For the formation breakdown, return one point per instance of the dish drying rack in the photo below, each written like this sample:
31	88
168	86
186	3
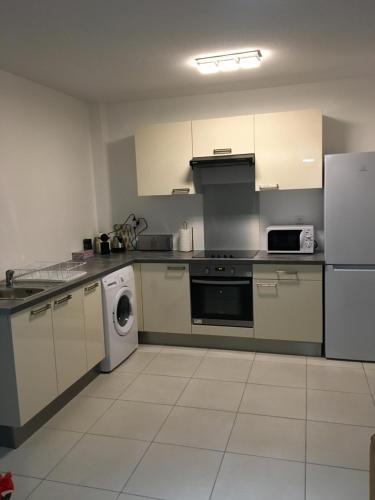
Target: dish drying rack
60	272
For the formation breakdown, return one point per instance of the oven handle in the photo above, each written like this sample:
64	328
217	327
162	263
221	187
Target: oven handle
214	282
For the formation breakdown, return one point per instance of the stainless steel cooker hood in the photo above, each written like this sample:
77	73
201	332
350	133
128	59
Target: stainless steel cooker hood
222	161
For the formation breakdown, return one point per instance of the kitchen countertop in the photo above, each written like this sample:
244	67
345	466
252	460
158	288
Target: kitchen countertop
100	266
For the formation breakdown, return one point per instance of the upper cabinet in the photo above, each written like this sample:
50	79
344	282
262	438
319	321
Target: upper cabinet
221	136
163	153
288	150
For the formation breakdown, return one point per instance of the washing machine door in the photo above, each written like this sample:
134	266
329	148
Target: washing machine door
123	312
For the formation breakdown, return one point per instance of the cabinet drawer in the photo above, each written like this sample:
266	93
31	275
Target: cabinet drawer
288	272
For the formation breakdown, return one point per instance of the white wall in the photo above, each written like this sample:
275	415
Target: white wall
349	109
46	181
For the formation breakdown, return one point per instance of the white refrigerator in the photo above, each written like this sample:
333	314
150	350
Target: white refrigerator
349	200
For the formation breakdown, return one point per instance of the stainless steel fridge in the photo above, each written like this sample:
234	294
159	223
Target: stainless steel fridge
349	199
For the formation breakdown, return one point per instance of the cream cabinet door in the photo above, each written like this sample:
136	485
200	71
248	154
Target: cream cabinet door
163	153
69	337
220	136
288	150
288	308
34	359
94	330
138	290
166	298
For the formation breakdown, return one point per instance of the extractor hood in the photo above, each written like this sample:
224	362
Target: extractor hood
222	161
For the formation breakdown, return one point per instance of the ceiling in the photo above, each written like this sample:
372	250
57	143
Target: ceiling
114	50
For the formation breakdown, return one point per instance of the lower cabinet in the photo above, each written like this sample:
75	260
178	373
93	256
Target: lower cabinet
288	302
94	333
166	298
138	291
69	337
47	348
34	360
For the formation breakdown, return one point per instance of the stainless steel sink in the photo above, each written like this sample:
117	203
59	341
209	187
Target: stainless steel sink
17	293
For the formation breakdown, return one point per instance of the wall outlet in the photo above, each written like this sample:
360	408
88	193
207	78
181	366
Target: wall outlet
300	219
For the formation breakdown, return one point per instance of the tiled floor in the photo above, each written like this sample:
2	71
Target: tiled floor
191	424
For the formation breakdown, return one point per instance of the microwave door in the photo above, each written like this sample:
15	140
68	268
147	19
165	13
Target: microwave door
285	240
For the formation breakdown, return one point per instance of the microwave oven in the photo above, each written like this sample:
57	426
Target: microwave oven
290	239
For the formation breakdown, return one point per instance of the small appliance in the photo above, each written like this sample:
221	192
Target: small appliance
158	242
102	244
290	239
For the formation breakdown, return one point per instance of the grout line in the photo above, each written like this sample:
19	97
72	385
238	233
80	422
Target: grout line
368	384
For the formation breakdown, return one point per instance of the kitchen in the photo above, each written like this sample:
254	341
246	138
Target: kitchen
69	171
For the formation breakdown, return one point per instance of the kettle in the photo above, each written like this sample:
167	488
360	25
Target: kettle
117	243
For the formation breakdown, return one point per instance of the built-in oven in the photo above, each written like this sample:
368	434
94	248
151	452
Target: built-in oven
221	294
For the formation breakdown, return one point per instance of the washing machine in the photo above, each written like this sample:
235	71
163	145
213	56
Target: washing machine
120	317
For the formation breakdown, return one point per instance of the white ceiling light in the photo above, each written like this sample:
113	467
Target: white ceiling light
229	62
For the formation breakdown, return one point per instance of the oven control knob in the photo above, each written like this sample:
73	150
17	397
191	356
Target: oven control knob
207	270
232	270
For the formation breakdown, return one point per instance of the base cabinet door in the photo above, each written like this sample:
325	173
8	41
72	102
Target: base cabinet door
288	150
166	298
288	308
69	337
138	290
34	360
94	331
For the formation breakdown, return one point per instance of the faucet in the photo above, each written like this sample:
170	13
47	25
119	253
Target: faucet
9	277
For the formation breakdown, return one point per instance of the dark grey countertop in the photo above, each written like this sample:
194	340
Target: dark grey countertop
100	266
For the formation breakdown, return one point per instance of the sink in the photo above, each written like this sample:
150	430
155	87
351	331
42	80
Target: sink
18	293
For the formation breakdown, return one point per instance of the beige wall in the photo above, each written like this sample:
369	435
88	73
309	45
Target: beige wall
46	182
349	108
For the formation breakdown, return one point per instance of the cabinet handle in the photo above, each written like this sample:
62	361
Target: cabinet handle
176	268
283	271
222	151
34	312
63	300
266	285
181	191
271	187
90	288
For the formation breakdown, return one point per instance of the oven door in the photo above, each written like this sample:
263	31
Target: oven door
285	240
222	301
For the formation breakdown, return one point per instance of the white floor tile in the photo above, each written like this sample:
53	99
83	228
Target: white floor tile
281	358
224	368
80	414
136	362
268	437
49	490
334	378
100	462
24	486
109	385
175	472
198	428
282	373
222	353
253	478
274	401
330	483
370	375
340	407
39	454
125	496
155	389
177	365
338	445
149	348
193	351
130	419
212	394
335	363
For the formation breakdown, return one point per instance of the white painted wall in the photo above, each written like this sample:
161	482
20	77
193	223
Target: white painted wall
46	180
349	107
